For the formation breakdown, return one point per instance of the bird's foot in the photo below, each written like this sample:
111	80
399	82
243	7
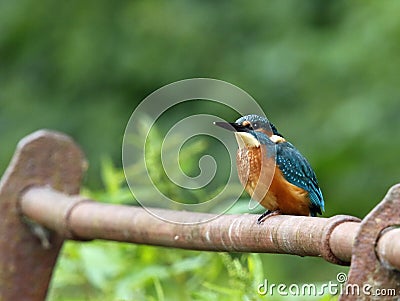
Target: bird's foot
266	215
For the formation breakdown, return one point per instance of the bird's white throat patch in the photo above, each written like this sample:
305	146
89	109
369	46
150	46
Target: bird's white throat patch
246	140
277	139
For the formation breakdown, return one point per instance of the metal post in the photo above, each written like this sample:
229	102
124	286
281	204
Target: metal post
43	158
372	277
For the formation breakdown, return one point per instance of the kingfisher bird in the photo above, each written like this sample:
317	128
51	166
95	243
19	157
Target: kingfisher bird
273	171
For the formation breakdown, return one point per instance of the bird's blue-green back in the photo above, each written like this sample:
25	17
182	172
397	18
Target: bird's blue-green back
297	171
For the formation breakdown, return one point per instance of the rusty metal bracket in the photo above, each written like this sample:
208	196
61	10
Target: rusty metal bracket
326	249
370	279
44	158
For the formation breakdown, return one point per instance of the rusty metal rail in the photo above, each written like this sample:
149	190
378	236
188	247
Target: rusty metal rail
79	218
42	184
82	219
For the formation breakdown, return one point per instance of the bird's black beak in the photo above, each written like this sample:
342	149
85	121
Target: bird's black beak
232	126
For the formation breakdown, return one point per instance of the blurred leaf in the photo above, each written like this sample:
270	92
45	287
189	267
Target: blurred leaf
99	265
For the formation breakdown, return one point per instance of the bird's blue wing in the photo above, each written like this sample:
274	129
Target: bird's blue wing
297	171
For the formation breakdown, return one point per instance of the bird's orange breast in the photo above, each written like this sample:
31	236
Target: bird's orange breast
266	184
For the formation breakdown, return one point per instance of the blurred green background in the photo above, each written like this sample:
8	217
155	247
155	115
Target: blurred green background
325	72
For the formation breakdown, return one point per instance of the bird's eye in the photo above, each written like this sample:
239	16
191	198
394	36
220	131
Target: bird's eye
255	126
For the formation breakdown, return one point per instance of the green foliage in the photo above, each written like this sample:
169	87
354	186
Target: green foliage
117	271
181	168
326	73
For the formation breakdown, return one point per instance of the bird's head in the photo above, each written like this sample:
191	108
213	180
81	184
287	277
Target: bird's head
250	130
